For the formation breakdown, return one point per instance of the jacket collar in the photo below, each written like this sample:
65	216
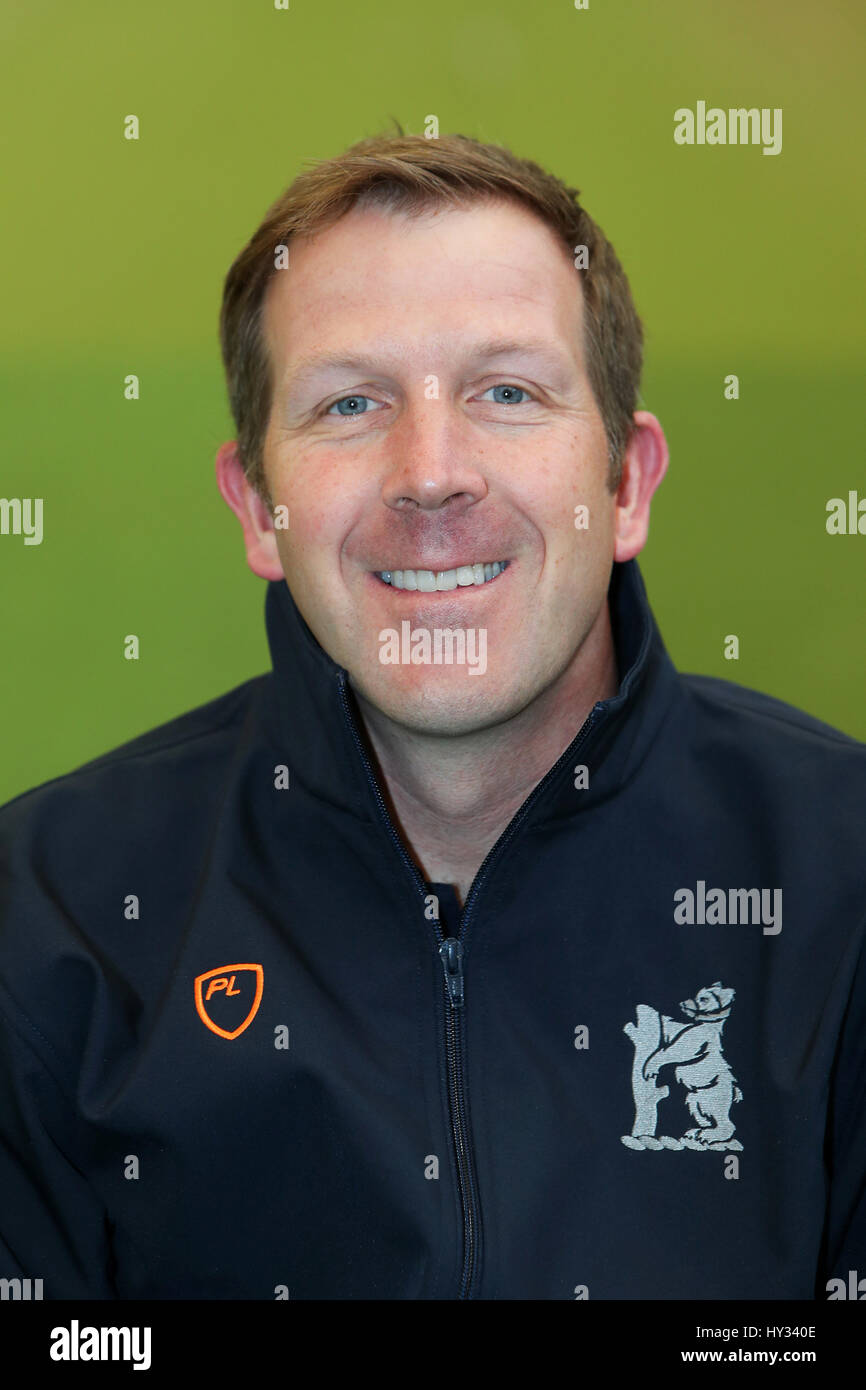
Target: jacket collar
314	733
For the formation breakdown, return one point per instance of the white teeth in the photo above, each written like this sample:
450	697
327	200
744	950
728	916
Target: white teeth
426	582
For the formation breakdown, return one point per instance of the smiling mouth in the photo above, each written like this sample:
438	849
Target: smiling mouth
431	581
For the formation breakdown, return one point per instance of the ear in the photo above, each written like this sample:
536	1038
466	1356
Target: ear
251	511
644	465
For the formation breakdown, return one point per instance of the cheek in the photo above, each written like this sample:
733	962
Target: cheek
575	528
564	490
321	509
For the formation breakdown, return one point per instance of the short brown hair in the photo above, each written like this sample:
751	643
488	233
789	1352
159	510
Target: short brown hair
412	174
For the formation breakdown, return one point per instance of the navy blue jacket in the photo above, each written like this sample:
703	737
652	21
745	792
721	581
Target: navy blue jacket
248	1053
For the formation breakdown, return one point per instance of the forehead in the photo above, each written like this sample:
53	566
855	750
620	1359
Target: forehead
423	285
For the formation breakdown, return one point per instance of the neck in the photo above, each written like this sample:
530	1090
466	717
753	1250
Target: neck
451	798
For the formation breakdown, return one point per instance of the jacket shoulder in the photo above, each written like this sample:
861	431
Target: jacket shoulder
133	823
773	719
194	734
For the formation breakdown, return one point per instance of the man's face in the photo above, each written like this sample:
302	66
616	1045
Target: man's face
432	412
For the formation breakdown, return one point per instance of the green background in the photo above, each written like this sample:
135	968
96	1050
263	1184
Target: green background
114	254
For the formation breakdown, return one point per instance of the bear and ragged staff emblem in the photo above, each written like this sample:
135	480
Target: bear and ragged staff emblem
694	1049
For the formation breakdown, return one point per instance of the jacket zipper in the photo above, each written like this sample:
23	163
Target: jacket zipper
451	950
451	955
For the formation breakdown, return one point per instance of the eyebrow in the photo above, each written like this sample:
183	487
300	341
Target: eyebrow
308	368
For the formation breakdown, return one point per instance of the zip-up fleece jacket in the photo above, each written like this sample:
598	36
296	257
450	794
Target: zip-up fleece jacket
249	1053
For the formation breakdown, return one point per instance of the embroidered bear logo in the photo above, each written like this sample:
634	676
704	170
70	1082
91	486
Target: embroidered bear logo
694	1050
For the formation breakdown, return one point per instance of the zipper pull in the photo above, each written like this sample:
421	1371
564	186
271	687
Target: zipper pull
451	953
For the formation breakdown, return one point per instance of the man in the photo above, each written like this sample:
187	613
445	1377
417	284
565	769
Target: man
473	952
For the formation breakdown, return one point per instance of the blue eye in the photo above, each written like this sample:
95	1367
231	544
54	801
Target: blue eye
509	400
356	404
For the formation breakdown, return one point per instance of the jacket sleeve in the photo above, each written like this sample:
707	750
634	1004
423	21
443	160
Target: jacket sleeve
53	1226
845	1230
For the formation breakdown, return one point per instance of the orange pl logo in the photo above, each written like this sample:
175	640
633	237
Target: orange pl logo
224	983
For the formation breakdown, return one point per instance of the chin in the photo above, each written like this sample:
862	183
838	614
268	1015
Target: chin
462	704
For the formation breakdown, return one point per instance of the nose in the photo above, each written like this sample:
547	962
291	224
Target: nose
431	460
